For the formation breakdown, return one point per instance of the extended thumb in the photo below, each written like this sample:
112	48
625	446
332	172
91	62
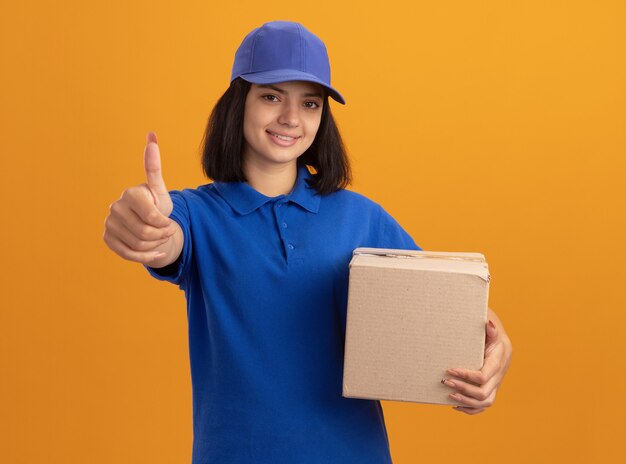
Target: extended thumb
154	176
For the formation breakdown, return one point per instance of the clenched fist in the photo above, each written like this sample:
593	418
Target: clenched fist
138	227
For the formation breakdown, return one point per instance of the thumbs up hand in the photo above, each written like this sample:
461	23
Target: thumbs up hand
138	227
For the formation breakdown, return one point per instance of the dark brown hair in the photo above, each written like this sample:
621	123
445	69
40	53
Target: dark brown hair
223	144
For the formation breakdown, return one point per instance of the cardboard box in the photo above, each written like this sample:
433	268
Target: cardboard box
412	315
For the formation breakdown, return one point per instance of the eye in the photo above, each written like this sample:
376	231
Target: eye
269	97
311	104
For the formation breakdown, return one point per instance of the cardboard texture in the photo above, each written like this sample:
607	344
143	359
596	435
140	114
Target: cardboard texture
412	315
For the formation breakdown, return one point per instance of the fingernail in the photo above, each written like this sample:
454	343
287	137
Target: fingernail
449	383
493	326
453	372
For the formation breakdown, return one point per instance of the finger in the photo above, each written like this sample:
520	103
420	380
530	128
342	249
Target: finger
133	242
147	232
472	402
137	256
478	392
470	411
152	165
491	334
122	213
142	204
491	366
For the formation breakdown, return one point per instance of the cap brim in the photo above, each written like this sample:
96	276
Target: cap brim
284	75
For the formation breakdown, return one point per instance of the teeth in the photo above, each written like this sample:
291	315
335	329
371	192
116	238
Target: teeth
282	137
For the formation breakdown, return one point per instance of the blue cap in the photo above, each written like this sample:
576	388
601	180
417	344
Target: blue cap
281	51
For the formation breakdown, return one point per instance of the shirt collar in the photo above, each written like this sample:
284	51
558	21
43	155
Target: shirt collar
244	199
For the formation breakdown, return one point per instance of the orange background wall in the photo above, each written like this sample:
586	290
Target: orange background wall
490	126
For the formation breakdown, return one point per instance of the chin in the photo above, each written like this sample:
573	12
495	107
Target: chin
284	157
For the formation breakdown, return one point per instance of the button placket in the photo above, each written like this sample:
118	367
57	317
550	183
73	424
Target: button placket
283	230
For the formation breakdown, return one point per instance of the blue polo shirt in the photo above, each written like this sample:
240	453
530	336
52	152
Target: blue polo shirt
266	284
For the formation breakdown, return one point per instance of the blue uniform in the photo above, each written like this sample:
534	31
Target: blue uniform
266	283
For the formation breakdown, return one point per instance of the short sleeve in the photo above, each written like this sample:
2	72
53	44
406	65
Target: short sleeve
177	272
392	235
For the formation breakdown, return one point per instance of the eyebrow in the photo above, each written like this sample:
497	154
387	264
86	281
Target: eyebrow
281	91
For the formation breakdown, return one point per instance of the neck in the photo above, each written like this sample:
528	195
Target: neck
271	180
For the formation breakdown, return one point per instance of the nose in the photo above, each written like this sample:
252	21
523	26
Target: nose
290	115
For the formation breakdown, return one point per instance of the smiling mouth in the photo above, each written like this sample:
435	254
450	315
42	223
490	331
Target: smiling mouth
286	138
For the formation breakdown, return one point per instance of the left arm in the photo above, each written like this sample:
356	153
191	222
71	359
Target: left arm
475	390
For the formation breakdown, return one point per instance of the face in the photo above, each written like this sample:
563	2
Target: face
280	121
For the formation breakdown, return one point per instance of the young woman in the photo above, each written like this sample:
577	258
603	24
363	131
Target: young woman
262	254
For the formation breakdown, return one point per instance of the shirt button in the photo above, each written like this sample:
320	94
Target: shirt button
284	224
280	204
290	246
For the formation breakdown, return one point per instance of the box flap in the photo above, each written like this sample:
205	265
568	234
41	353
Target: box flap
457	262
